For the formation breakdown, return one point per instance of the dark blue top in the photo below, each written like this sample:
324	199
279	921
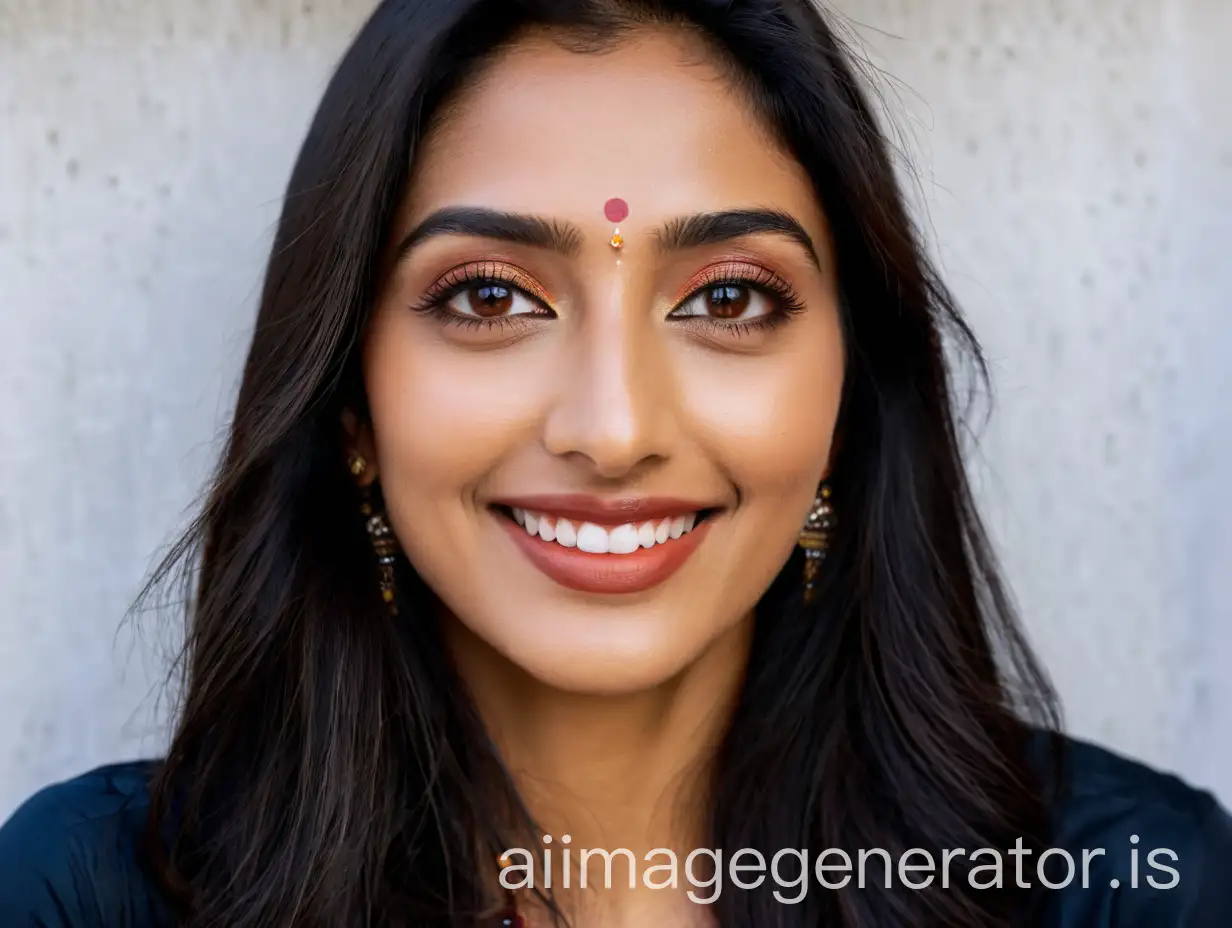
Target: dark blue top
69	857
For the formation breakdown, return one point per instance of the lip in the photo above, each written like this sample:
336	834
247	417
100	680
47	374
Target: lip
579	507
606	574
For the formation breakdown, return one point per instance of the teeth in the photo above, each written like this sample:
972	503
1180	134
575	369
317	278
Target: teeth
592	539
595	539
623	539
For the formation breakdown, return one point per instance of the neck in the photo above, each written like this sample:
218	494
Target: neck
628	770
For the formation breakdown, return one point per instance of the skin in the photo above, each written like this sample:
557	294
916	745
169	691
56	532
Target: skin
605	707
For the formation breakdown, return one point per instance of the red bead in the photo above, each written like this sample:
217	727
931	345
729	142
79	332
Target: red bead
616	210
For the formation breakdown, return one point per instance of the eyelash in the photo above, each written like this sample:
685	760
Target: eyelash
786	303
460	279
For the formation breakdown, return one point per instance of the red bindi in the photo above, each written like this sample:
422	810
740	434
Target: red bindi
616	210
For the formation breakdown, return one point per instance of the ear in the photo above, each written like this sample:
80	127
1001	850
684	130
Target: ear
358	440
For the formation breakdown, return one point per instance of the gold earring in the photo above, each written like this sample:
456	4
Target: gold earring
384	542
385	546
815	538
510	917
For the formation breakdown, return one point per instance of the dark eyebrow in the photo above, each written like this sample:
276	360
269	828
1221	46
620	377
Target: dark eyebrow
714	228
520	229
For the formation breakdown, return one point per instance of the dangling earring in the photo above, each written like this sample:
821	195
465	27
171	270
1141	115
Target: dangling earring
384	542
815	538
509	916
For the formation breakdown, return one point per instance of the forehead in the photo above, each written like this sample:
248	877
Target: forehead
655	121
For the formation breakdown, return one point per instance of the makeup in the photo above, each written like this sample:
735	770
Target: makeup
616	211
605	547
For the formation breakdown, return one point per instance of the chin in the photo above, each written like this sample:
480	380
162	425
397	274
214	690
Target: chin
603	674
589	650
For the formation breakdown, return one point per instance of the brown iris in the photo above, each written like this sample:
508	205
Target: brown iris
727	301
489	299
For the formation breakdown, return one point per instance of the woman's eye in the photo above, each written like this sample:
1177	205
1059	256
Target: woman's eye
735	302
490	299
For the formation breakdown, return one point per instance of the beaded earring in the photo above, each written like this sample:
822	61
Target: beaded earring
815	538
384	542
509	917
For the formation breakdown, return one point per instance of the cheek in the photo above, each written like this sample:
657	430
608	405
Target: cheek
769	421
443	417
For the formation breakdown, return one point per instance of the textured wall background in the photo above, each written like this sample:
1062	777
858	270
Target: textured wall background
1072	159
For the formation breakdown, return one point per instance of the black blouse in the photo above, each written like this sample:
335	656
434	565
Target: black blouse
69	857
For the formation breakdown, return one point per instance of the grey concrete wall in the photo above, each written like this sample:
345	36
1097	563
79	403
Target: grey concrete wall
1073	164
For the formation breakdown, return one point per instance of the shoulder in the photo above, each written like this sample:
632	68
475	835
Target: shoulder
70	855
1149	850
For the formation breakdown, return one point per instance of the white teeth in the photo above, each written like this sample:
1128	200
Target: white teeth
595	539
623	540
566	534
662	531
677	526
592	539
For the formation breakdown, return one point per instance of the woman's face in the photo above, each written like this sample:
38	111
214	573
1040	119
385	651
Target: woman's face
525	376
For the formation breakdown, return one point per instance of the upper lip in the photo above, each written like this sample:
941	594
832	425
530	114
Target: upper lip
580	507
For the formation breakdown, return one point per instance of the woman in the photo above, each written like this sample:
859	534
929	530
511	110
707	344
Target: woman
594	484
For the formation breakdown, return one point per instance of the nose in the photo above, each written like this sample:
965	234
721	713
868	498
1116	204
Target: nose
614	409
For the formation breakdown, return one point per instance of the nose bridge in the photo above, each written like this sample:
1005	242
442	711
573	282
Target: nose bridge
612	408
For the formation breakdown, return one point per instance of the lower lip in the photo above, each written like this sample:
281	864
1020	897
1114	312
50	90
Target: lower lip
577	570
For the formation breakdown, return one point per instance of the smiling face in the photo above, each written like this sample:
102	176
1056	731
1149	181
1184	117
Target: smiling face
599	457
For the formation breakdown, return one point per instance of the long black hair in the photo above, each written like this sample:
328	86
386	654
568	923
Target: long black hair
328	769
